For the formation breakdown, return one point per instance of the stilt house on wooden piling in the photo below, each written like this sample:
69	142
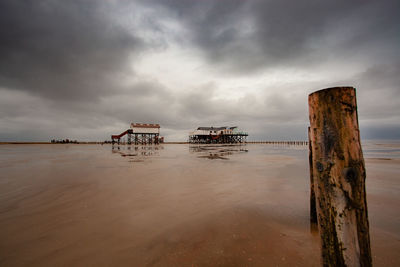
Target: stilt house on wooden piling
140	133
217	135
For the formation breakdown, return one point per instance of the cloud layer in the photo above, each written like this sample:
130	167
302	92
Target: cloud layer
86	69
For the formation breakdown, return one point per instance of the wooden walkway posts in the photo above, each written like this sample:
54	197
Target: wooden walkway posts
338	170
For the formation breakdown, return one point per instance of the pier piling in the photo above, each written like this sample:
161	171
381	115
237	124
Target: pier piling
339	176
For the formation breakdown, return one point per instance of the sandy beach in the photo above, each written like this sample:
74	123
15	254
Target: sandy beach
176	205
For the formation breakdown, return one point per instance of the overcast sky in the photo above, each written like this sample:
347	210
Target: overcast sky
86	69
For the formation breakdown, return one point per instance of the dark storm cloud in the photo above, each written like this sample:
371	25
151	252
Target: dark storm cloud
378	93
277	115
62	49
24	116
244	36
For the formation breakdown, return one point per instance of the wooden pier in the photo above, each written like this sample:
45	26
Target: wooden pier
296	143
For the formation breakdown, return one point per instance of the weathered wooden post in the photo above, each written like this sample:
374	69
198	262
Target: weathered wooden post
339	175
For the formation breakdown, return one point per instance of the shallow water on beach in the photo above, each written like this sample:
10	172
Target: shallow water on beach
176	205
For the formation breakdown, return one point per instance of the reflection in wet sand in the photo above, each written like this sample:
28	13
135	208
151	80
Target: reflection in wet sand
137	153
217	151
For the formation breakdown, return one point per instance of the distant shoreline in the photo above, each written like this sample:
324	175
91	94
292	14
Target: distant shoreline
166	143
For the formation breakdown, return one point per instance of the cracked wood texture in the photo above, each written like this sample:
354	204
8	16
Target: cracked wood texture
338	172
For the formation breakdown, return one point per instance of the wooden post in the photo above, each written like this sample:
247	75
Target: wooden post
339	175
313	208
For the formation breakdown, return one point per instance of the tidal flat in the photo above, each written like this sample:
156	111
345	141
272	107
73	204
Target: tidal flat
177	205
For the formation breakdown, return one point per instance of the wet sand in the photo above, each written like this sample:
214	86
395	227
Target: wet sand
174	205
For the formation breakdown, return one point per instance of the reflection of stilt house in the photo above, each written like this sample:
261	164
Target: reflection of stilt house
140	133
219	135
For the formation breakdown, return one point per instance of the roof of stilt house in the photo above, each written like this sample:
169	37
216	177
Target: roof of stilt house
144	125
212	128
